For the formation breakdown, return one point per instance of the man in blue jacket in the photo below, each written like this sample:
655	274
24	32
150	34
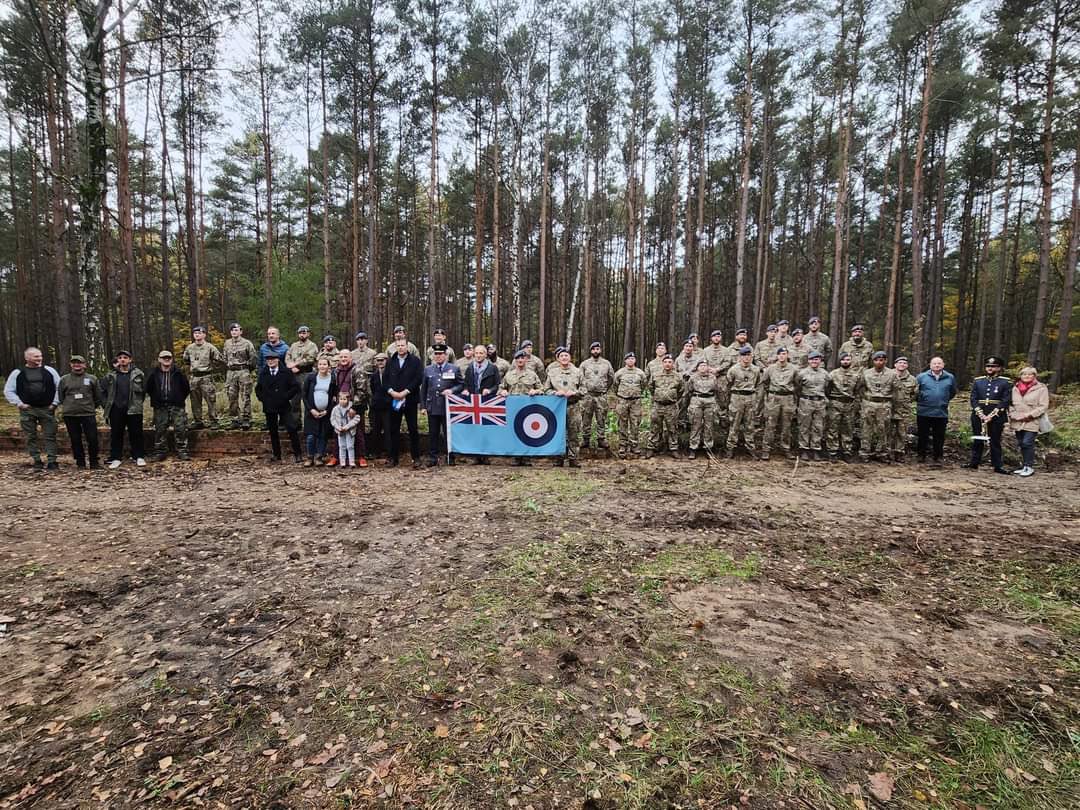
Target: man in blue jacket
440	378
935	389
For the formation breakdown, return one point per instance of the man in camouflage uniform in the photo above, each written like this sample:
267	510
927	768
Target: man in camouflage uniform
438	337
532	361
363	356
466	357
907	388
656	365
742	338
329	352
720	358
876	388
798	351
861	350
241	359
778	384
701	391
685	364
818	341
566	380
520	380
300	360
666	388
501	363
765	350
840	409
782	336
599	376
744	380
399	334
810	385
201	355
629	385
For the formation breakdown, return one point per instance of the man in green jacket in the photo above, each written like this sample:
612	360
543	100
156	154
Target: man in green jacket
123	390
79	400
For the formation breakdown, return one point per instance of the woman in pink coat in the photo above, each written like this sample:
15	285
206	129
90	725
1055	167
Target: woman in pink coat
1030	400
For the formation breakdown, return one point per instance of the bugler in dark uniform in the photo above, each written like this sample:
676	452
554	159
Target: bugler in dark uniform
990	398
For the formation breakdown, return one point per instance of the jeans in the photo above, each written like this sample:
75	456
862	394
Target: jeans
288	421
119	421
932	429
77	428
316	432
1025	440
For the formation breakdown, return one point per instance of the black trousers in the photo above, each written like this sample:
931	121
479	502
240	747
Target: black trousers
286	420
409	412
77	428
436	435
993	428
119	421
932	431
379	422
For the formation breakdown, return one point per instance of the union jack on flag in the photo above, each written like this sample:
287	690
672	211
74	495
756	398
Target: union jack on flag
476	409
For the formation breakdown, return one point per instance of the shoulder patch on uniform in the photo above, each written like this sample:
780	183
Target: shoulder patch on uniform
983	377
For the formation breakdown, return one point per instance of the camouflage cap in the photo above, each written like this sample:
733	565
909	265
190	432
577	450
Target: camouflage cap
165	353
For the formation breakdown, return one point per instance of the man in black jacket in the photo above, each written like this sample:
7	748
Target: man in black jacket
168	390
275	388
404	374
481	377
379	405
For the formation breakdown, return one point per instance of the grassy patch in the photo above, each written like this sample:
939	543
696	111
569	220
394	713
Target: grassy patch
1049	595
546	488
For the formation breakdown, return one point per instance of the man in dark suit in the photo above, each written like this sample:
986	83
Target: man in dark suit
481	377
404	375
275	389
379	406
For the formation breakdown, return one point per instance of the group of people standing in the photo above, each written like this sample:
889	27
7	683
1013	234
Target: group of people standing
777	394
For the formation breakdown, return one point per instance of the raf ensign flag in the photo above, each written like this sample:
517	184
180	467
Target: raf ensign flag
506	426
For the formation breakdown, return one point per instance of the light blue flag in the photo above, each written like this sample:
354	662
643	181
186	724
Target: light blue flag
515	425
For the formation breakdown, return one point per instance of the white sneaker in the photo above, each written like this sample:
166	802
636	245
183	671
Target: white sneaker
140	462
1026	472
114	464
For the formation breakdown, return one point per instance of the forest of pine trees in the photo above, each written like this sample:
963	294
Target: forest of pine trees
563	170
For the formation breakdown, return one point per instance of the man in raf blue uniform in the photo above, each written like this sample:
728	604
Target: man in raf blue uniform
990	398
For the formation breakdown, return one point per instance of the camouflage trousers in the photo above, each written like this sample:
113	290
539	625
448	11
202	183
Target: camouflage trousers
898	433
628	416
573	429
32	418
203	389
702	413
173	416
875	428
594	407
238	387
779	411
723	397
811	423
840	424
741	414
663	422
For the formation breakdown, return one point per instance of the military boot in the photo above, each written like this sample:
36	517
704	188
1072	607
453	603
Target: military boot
693	454
674	454
729	453
805	455
648	454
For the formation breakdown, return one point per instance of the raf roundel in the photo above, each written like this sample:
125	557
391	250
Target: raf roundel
535	425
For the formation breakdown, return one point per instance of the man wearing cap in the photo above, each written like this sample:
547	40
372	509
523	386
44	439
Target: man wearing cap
765	350
79	400
875	390
329	351
502	364
860	349
936	389
666	389
782	336
400	334
701	410
720	358
441	378
599	376
810	385
798	351
482	377
778	385
404	374
123	391
466	357
273	345
438	338
567	380
656	365
300	359
520	380
991	396
201	355
907	387
380	403
840	409
532	360
35	390
744	384
168	390
240	360
818	341
686	364
363	356
742	338
629	386
275	388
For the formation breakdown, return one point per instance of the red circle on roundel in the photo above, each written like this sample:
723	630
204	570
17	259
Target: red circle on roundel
535	425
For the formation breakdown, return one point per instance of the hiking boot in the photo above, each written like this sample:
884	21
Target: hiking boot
52	465
674	454
558	462
574	462
39	464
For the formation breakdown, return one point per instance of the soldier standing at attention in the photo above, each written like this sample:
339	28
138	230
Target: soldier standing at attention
566	380
201	355
240	360
532	361
991	396
765	350
798	351
168	390
363	356
782	336
810	385
720	358
329	352
599	375
687	361
818	341
466	357
744	379
667	388
701	388
520	381
629	384
656	365
778	383
907	388
876	387
860	349
300	360
840	410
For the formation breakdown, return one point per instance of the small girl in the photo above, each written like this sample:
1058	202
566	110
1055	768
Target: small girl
345	420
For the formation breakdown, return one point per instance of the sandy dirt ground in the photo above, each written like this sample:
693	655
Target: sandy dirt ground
653	634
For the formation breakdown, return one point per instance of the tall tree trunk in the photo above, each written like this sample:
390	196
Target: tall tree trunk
132	336
918	315
166	284
545	182
1064	321
892	307
746	104
325	149
268	165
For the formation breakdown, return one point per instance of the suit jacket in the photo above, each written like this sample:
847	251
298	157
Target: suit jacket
380	399
408	376
275	391
489	379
